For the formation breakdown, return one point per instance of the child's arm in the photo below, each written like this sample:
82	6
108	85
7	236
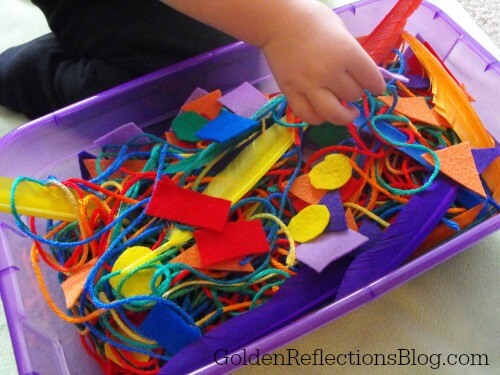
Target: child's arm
314	59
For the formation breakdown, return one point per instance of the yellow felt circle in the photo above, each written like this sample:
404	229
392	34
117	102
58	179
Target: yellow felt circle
138	283
332	173
309	223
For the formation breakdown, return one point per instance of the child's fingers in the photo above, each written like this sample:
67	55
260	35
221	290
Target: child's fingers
303	109
345	87
365	72
328	106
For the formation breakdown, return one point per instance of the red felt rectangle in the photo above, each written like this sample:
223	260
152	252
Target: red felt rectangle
238	239
189	207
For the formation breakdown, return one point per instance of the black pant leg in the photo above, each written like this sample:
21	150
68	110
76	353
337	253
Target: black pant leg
41	76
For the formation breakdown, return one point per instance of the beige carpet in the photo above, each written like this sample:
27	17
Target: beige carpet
453	308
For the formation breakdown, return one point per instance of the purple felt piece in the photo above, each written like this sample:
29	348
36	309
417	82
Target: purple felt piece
483	157
323	250
120	135
226	127
416	81
244	100
333	202
413	224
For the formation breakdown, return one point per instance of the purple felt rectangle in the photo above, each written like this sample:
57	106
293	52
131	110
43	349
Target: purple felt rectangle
120	135
244	100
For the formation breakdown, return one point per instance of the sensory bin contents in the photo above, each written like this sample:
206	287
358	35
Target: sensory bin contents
241	209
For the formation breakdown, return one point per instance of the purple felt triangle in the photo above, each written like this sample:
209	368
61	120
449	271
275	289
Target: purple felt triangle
244	100
323	250
333	202
120	135
483	157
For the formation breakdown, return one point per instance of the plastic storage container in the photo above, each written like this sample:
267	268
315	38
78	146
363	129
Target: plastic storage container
44	344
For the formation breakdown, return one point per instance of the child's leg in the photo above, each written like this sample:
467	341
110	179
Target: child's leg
41	76
97	45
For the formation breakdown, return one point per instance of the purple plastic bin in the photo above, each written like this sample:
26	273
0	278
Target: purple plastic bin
44	344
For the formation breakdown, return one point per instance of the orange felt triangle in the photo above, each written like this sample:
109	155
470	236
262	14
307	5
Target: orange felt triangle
192	258
131	165
208	105
72	287
457	163
415	108
303	189
443	231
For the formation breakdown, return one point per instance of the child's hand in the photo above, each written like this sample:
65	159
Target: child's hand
317	63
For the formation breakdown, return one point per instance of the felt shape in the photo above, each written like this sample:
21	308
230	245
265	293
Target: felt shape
349	189
351	221
451	102
457	163
131	165
84	172
334	204
174	140
139	283
192	258
72	287
238	239
244	100
303	190
185	206
299	204
110	354
387	35
186	124
443	231
415	108
327	134
413	224
207	105
329	247
226	127
167	327
120	135
483	157
332	173
309	223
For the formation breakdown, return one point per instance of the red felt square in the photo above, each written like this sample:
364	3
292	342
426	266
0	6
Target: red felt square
189	207
238	239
